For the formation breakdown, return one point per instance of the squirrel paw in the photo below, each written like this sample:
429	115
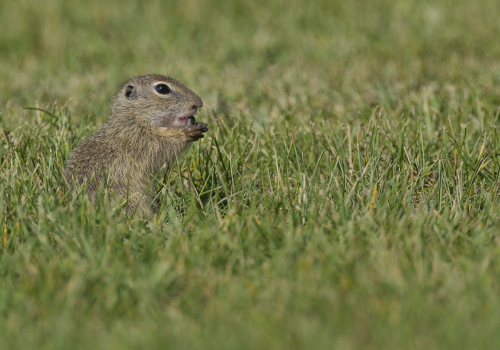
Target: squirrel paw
195	132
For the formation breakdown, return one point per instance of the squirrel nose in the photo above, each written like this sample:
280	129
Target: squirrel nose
198	103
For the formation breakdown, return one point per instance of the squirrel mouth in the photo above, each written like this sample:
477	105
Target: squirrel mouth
185	119
191	120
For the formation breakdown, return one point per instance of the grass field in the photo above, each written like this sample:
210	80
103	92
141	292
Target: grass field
345	197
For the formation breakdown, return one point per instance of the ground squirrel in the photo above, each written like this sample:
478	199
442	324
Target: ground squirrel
151	123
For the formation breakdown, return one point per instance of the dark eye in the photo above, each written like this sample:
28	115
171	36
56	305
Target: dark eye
163	89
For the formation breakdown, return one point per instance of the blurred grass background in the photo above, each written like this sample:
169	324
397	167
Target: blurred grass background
346	196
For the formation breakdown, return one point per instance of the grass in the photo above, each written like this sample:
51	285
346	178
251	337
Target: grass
345	197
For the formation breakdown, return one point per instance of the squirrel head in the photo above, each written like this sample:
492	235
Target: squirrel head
155	100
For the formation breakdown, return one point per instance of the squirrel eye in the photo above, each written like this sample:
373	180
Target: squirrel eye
163	89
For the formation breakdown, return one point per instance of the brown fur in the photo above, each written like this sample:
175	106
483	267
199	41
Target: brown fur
146	129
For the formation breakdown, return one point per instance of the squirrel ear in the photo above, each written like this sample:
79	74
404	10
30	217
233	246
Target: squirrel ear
130	92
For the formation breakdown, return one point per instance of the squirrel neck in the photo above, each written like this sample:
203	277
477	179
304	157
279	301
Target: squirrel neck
138	139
